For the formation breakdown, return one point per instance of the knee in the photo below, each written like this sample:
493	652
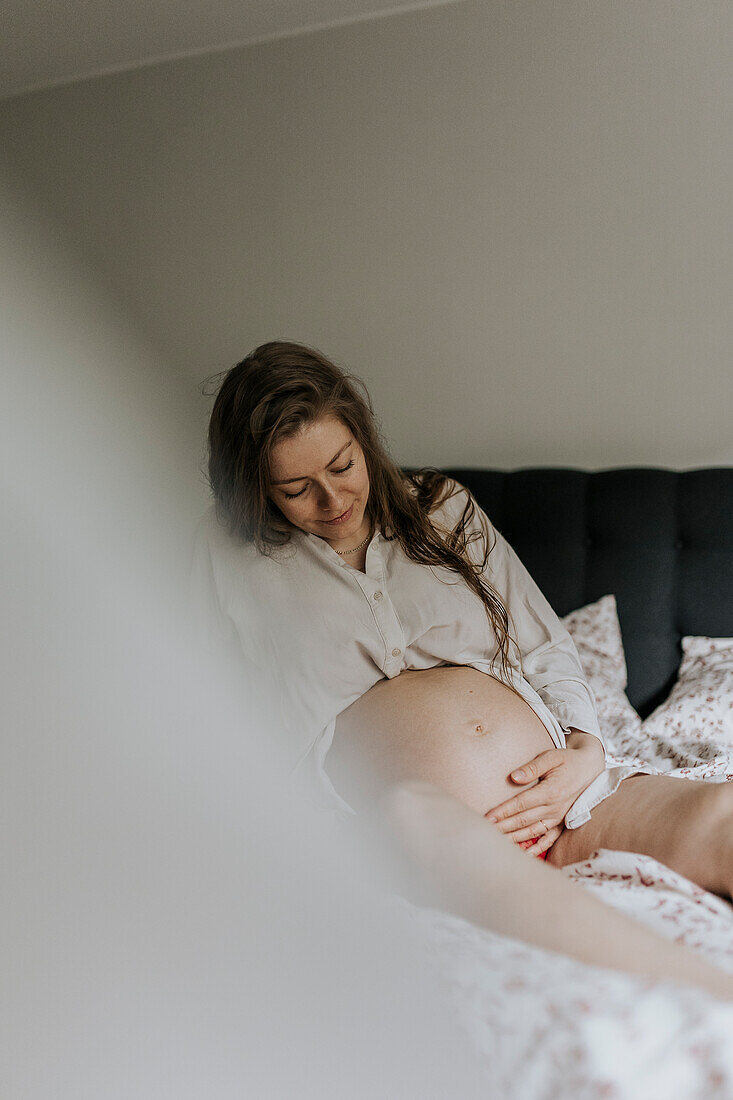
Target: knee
430	822
406	808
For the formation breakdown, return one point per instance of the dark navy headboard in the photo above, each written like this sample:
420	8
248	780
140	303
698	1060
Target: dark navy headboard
660	540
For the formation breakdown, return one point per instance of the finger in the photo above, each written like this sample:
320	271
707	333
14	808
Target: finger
541	764
527	832
512	805
550	814
516	805
547	840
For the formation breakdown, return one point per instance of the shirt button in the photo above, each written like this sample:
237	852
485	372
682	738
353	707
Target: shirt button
396	652
377	595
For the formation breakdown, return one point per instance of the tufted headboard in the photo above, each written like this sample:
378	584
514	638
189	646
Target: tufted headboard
661	541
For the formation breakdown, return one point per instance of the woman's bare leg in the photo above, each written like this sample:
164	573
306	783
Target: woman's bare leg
685	824
467	867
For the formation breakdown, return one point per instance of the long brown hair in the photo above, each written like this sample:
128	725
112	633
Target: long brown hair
273	392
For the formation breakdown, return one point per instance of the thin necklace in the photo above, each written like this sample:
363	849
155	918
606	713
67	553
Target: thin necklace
343	553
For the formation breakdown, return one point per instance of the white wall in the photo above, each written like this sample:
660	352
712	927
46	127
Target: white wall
512	219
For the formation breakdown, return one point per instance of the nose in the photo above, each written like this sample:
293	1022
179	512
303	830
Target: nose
329	502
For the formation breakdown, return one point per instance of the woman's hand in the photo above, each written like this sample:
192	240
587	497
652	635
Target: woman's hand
559	777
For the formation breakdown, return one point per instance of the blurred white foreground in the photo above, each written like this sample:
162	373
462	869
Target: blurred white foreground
175	922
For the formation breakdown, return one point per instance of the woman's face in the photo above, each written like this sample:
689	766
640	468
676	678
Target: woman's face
318	475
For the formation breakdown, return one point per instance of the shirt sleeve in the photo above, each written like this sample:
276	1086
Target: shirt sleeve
549	659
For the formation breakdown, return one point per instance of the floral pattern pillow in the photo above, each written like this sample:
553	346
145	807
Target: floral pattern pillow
596	633
695	721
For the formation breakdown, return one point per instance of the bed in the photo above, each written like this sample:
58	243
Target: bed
638	562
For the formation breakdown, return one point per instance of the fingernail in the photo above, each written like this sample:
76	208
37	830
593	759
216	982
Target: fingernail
518	774
492	819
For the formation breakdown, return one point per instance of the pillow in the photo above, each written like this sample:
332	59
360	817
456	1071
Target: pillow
596	633
696	719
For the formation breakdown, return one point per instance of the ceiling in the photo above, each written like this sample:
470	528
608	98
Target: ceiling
47	42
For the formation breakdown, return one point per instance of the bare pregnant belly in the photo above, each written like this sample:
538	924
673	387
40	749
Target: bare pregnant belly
454	726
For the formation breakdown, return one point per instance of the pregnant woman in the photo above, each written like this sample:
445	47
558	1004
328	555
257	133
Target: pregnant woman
406	641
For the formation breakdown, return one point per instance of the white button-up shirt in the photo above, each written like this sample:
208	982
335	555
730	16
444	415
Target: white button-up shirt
323	632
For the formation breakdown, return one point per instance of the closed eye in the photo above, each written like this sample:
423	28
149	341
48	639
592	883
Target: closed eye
292	496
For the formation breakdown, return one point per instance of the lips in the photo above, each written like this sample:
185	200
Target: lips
342	518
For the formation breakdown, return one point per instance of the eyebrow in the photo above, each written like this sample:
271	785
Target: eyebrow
338	454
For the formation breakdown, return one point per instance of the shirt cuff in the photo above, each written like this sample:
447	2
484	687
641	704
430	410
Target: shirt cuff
574	727
572	706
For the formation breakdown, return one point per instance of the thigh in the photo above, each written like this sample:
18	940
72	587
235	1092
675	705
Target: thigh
656	815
